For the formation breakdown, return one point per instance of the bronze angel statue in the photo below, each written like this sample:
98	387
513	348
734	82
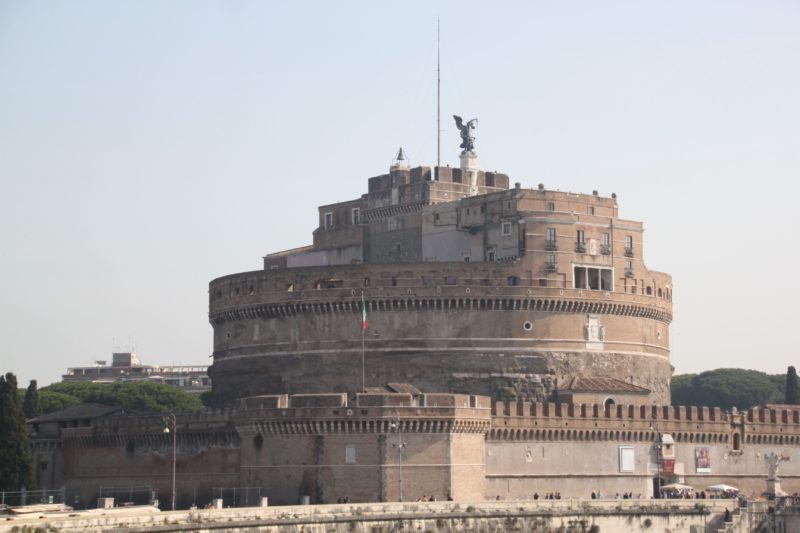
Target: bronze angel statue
467	135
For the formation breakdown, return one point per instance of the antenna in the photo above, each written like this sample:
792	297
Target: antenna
438	102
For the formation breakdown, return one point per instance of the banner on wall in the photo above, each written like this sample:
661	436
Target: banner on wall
702	460
667	467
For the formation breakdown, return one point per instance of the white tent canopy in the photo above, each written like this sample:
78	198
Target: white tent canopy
676	486
721	488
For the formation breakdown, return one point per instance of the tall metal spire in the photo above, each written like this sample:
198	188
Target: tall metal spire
438	102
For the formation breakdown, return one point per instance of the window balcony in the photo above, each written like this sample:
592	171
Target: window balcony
628	272
605	249
580	247
550	267
550	245
628	251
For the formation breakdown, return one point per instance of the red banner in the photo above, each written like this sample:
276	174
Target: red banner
668	466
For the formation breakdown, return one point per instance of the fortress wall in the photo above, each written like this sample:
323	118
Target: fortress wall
531	445
515	470
308	339
204	461
359	451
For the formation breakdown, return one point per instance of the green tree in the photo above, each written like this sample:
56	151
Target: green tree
30	404
726	388
791	396
16	463
140	396
50	401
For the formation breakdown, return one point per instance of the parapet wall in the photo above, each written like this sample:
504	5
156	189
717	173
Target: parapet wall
551	421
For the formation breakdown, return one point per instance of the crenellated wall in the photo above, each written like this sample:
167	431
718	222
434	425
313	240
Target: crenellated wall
328	446
576	448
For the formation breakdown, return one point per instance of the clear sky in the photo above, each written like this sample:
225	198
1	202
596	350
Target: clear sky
147	147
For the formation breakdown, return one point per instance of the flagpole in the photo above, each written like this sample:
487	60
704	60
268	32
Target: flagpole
363	329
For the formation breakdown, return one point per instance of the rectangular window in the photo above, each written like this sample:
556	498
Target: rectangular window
605	249
328	220
506	229
593	278
551	206
629	245
550	240
350	454
356	216
580	242
551	259
591	210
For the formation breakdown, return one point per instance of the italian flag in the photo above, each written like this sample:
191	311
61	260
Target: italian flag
363	313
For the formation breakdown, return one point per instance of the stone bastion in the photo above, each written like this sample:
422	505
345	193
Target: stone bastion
471	328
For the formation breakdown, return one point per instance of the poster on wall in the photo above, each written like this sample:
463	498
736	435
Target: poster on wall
627	460
702	461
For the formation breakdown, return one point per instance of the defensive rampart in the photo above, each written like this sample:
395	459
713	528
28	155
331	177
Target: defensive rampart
443	327
618	449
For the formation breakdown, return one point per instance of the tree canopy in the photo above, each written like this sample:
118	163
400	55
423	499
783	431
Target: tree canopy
727	388
791	397
139	396
30	403
16	462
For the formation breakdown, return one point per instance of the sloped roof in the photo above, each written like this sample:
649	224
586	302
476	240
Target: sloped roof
81	411
406	388
604	385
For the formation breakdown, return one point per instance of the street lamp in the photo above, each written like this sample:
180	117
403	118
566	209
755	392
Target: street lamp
171	420
400	445
658	446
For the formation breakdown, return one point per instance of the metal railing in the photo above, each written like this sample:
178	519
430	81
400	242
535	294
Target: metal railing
580	247
238	496
130	495
13	498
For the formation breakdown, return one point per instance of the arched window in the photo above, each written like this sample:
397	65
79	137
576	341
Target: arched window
737	442
608	404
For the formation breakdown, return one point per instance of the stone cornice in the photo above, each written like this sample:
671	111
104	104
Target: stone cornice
414	304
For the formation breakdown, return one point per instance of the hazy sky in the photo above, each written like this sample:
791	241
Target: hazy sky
149	147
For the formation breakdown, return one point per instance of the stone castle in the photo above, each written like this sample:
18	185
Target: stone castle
515	343
470	287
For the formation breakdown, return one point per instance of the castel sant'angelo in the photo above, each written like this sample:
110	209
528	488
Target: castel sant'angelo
447	334
470	286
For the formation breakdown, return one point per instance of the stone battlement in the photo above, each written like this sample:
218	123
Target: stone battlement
551	421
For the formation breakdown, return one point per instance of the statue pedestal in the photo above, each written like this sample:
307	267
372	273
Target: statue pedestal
469	170
774	489
469	160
